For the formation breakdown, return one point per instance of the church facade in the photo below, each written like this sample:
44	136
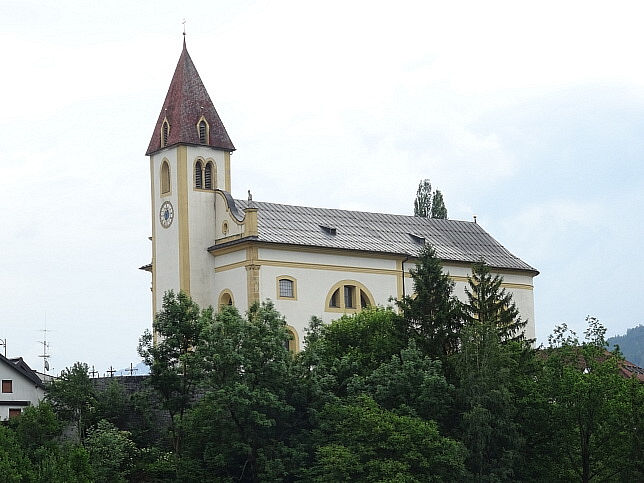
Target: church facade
308	261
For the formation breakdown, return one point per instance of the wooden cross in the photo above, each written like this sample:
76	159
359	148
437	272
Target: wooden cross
93	372
110	371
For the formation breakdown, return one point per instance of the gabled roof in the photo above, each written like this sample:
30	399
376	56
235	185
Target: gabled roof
187	100
21	367
453	240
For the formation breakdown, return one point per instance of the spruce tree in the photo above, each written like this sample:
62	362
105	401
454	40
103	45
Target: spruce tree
433	315
489	303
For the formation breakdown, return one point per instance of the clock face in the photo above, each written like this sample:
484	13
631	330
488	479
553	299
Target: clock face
166	214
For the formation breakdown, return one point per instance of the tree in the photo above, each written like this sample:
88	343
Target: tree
588	418
489	303
112	452
433	315
438	206
352	345
176	366
409	384
73	397
428	203
245	427
359	441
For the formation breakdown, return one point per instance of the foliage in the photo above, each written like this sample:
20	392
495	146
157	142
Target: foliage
438	206
408	384
72	396
490	374
112	453
248	391
489	303
37	426
175	367
428	203
352	345
433	316
588	417
360	441
15	466
630	344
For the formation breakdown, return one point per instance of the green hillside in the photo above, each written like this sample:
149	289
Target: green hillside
631	344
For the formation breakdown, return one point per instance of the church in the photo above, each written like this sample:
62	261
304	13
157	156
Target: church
308	261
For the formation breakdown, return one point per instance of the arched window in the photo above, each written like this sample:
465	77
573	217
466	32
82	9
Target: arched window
208	176
203	131
348	296
165	132
165	178
226	298
198	175
286	288
293	344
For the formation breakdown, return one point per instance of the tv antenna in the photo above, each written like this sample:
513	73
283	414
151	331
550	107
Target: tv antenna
45	348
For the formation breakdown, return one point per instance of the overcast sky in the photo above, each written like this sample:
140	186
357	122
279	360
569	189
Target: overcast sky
529	116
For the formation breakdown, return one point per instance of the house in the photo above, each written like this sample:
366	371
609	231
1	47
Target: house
309	261
21	387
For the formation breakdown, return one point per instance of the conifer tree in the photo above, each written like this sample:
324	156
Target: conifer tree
433	315
489	303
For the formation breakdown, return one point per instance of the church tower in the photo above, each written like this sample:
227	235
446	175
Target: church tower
189	159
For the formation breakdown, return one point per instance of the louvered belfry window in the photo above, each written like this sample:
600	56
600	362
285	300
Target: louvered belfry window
198	175
165	131
203	132
208	176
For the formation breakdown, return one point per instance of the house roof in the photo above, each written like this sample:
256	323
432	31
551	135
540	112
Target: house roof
186	101
453	240
20	366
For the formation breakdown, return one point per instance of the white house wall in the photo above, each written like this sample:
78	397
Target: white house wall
23	390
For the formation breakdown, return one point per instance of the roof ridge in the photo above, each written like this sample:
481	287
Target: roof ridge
259	203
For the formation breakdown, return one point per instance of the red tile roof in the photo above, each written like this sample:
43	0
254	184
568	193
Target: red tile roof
187	100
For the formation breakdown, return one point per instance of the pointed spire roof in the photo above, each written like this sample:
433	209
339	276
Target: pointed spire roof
187	100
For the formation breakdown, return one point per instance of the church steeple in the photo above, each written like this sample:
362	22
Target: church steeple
188	116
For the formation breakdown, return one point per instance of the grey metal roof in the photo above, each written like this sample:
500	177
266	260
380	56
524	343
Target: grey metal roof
453	240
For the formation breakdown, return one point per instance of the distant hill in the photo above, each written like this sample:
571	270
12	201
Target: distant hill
140	370
631	345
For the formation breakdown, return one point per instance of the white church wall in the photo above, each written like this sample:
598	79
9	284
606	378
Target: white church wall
235	281
166	240
315	281
201	226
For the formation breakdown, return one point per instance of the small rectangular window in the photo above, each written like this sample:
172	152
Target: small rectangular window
14	412
286	288
7	385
